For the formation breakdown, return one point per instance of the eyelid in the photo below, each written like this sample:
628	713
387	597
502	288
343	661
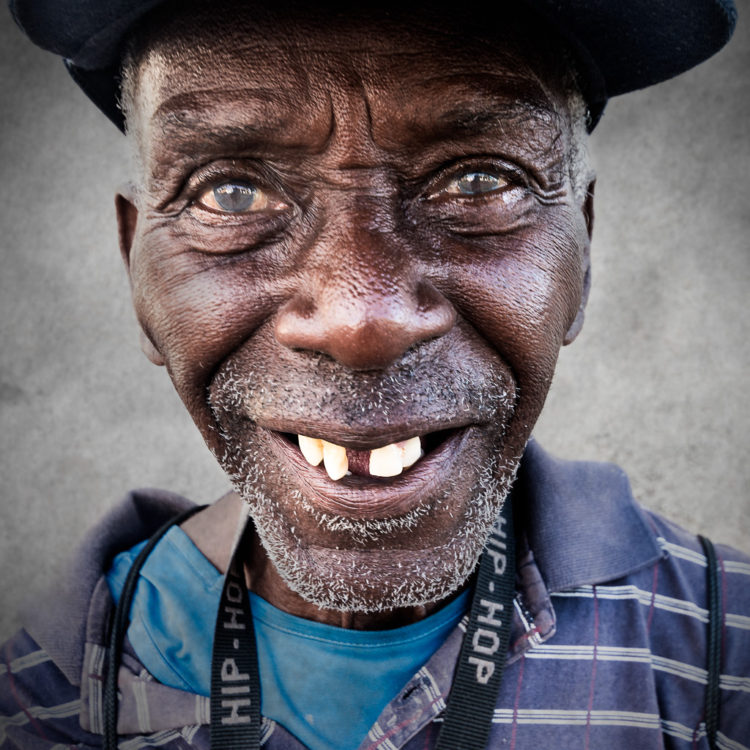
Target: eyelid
512	175
213	175
219	172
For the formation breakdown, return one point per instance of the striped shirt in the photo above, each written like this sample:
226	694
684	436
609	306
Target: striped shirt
608	644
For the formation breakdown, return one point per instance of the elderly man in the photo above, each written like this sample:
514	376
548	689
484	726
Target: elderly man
357	241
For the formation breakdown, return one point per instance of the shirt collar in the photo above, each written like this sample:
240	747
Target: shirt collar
581	520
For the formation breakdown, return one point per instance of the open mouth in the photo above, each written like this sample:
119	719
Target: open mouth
383	461
360	493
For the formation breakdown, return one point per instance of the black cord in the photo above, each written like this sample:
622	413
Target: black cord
713	584
120	627
467	720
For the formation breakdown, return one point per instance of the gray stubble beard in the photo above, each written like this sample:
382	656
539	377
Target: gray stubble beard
374	580
372	574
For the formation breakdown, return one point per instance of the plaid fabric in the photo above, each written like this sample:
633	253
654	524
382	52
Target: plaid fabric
607	648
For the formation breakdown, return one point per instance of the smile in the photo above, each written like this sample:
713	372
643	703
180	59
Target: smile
385	480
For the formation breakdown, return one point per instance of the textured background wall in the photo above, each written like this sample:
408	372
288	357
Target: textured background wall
656	382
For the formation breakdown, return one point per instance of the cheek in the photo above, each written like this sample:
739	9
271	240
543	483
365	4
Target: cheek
196	308
522	296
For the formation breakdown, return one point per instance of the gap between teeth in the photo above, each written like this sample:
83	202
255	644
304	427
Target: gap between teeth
388	461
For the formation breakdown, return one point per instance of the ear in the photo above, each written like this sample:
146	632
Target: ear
588	215
127	219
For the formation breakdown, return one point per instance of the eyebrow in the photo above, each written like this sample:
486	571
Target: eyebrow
479	120
475	120
233	119
455	106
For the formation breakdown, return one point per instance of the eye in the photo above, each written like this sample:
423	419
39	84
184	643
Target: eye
476	183
238	198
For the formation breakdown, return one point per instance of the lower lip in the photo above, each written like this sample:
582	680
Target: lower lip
367	497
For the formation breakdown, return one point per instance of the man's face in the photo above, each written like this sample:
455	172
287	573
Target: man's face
360	232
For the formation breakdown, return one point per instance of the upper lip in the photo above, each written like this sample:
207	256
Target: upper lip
361	437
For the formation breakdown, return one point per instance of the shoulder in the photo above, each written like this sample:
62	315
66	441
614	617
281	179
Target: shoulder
585	526
684	573
41	666
674	602
38	704
630	591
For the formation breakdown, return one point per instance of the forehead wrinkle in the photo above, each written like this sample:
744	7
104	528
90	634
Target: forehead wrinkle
470	120
391	112
240	110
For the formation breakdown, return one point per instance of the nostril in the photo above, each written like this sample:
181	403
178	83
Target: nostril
364	331
437	314
295	323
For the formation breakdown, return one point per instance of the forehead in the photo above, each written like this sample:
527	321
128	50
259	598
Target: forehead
260	75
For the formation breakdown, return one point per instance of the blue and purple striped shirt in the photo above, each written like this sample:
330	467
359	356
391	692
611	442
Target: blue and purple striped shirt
608	648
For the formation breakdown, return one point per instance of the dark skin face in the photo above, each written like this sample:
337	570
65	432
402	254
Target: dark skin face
362	235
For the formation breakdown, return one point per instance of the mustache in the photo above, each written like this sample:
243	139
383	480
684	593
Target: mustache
431	383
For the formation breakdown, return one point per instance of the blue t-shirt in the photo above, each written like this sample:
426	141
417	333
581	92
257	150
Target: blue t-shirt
317	680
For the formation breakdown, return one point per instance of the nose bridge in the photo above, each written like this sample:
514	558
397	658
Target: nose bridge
370	268
364	300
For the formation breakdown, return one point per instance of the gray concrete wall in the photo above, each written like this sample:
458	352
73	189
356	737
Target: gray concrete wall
657	381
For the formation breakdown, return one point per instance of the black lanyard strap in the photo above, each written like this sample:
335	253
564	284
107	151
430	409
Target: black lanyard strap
235	681
476	683
713	645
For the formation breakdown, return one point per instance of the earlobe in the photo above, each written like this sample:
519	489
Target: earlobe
127	219
148	348
588	214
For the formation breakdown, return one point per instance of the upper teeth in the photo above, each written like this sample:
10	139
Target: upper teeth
388	461
335	460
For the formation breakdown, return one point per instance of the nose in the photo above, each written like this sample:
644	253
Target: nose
363	301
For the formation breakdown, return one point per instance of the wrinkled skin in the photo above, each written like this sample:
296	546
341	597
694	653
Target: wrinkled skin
363	298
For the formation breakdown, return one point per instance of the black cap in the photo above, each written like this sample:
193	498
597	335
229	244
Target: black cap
620	45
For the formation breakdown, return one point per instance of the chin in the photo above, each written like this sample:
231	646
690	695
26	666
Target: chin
376	565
